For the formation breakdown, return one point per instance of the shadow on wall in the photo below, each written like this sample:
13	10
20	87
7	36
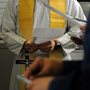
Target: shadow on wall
6	62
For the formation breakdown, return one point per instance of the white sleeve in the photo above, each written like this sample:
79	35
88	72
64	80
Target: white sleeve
76	11
8	29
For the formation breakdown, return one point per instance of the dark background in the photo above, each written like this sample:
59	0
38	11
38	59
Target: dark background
84	0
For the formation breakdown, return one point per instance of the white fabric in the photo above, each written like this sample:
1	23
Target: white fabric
11	34
41	21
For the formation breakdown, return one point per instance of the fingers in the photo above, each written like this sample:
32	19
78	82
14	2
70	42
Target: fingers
53	43
33	86
49	47
41	67
45	44
44	72
83	27
30	69
40	83
46	48
30	46
33	49
33	67
29	86
46	69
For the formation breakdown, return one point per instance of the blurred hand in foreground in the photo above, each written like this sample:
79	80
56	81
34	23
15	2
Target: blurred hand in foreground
43	67
40	84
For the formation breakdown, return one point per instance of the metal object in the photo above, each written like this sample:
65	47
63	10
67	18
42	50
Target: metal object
27	60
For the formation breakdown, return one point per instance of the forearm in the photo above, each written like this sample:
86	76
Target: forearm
13	42
67	44
9	29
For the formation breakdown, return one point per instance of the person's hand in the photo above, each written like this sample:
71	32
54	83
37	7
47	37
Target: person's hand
79	41
45	47
82	28
48	46
40	84
43	67
30	46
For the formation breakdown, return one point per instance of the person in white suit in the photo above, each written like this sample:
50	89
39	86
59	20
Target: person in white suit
12	35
